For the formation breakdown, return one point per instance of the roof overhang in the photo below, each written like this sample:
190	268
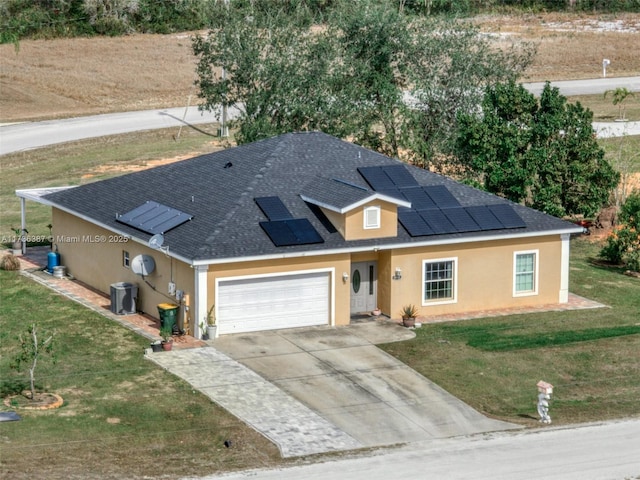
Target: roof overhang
37	194
393	246
367	199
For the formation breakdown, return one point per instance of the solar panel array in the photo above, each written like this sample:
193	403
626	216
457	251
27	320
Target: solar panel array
153	217
434	210
282	229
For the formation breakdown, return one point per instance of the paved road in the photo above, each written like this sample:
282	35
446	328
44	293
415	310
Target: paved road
28	135
588	87
593	452
25	136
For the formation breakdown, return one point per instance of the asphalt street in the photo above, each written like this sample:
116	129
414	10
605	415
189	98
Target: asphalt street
25	136
607	451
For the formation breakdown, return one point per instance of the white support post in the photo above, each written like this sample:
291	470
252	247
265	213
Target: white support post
200	302
564	268
23	223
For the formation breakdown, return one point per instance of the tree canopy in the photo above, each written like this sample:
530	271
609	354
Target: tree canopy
388	81
543	153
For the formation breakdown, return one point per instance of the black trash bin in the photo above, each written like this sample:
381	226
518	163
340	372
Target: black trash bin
168	315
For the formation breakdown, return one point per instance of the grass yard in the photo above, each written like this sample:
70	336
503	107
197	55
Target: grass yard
123	417
592	357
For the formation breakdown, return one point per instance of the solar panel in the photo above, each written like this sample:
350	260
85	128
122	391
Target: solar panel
304	231
441	196
414	224
284	233
279	233
377	178
460	219
273	208
400	176
418	198
399	194
507	216
153	217
484	217
438	222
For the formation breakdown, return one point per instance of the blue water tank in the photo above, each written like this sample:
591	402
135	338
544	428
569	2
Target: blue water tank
53	260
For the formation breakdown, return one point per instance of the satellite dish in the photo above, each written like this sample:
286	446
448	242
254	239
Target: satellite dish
143	265
156	241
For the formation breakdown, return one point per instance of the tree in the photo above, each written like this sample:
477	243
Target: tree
619	96
31	349
388	81
542	154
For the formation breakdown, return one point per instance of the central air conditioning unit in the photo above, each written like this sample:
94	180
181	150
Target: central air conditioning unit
123	298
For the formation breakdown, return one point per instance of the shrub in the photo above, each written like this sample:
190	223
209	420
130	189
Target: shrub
10	262
623	243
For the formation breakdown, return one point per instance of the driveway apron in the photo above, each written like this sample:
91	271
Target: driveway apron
324	389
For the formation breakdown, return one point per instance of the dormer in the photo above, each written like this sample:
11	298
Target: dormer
356	212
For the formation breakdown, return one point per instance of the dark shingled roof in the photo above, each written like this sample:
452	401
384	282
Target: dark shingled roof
226	218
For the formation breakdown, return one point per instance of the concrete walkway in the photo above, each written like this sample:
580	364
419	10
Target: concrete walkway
294	428
324	389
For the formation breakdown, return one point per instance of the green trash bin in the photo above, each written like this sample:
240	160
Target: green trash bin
168	315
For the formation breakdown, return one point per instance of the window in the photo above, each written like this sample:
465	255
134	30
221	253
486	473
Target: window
125	259
371	217
525	266
440	281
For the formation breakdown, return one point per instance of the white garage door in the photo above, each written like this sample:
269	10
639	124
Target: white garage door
269	303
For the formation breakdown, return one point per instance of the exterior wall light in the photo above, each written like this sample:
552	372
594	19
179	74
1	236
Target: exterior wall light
398	274
345	277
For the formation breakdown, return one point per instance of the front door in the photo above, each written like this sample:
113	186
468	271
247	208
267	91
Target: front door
363	287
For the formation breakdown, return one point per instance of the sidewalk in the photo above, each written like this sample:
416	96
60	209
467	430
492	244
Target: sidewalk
32	266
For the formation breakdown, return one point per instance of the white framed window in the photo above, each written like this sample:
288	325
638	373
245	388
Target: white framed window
440	281
371	217
525	273
125	259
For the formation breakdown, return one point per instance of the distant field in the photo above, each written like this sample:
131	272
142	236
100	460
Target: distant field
81	76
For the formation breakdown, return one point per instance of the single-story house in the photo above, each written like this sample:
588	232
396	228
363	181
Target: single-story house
306	229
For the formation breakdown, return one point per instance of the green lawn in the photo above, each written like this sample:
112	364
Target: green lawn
123	416
592	357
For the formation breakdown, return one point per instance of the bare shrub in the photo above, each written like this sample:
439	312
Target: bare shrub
10	262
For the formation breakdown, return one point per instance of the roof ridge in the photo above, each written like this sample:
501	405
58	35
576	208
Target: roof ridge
242	199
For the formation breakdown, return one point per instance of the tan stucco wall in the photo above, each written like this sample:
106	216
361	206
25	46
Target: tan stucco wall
485	271
485	276
340	264
93	255
354	222
351	224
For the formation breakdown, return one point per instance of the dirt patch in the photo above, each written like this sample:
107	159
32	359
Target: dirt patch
136	72
41	401
110	168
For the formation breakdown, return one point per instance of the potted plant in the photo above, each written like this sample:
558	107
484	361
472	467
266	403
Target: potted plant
203	332
167	338
211	323
17	240
409	314
156	346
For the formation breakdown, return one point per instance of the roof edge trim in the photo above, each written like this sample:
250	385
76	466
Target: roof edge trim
359	203
399	246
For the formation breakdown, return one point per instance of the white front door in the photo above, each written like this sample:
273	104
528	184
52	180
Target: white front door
252	304
364	296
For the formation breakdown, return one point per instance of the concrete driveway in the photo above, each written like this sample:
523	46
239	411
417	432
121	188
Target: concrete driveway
340	374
